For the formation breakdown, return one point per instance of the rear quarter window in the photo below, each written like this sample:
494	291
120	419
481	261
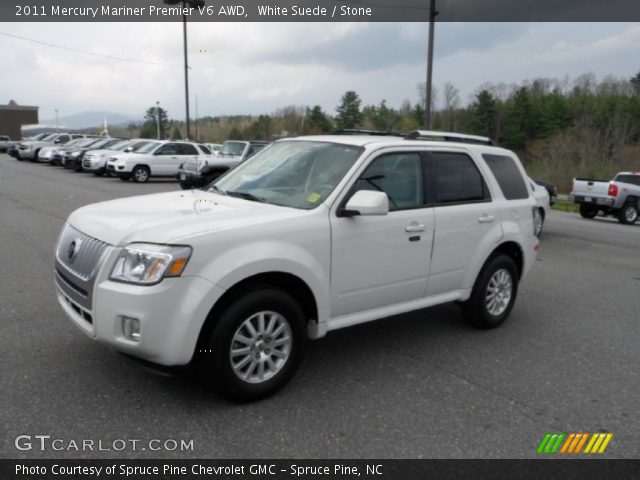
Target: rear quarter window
453	178
508	176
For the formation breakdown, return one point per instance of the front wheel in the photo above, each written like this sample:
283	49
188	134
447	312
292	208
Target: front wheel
588	211
628	214
494	293
140	174
255	345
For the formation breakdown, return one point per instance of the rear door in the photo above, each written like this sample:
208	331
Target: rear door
467	222
164	160
187	152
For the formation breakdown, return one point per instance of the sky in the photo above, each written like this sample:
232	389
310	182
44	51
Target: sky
255	68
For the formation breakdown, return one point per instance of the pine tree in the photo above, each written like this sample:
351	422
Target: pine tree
349	114
482	114
150	126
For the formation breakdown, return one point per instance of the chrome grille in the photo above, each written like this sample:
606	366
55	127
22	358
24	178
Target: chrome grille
79	253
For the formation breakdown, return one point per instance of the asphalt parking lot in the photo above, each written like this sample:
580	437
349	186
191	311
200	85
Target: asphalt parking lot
421	385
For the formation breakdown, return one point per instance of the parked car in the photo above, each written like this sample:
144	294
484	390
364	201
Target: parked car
202	171
95	161
161	158
214	147
73	157
551	190
312	235
619	197
5	143
48	154
30	149
543	201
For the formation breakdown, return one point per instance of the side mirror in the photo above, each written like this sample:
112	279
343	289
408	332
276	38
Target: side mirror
367	202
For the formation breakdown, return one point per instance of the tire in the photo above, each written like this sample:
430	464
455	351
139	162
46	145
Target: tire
185	186
124	178
35	156
243	383
98	173
628	214
500	271
140	174
588	211
540	225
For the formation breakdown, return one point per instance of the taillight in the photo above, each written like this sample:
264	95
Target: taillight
613	190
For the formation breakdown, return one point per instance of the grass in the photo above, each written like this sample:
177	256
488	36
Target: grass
565	206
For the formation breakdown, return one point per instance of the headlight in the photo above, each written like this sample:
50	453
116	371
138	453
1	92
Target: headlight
148	263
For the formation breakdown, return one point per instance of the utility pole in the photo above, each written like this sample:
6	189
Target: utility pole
196	139
158	119
432	26
57	122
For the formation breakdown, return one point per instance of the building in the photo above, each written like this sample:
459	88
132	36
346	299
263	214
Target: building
13	116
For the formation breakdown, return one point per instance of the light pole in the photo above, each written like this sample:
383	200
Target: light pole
432	26
158	119
194	4
57	122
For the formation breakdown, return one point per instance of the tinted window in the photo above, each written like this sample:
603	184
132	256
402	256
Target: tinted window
205	149
454	178
399	175
168	149
632	179
508	176
187	149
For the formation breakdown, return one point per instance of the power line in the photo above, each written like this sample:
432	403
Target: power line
85	52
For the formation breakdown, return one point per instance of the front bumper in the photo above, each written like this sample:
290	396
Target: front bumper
171	316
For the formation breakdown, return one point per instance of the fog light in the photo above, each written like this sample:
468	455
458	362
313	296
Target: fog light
131	328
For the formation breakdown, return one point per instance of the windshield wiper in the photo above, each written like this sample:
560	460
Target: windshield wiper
217	189
246	196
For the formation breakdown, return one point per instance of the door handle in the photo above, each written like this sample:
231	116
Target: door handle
414	228
486	218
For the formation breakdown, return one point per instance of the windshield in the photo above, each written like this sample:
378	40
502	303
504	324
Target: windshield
50	138
232	148
74	143
147	147
85	142
290	173
102	143
121	145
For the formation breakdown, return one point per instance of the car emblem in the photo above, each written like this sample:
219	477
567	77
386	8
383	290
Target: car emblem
74	246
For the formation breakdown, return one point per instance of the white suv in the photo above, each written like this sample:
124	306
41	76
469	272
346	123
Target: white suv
310	235
160	158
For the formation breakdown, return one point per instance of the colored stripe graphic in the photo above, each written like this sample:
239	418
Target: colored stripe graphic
573	443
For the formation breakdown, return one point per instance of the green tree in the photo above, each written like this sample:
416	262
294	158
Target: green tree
176	135
150	126
635	81
349	114
316	122
382	117
482	114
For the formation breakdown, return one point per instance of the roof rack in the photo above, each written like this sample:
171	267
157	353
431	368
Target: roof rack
447	137
359	131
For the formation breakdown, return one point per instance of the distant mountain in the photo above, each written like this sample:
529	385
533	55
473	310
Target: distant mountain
90	120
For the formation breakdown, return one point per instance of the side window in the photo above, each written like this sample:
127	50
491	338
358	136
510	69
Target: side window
454	178
63	139
204	149
631	179
508	176
399	175
187	149
168	149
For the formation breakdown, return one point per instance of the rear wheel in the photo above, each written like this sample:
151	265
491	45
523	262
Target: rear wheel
588	211
628	214
255	346
539	222
140	174
493	294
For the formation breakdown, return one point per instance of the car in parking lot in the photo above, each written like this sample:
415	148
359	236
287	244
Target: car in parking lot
312	235
73	157
202	171
160	158
30	149
5	143
95	161
619	197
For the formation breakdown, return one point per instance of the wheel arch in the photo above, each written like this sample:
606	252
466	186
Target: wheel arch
282	280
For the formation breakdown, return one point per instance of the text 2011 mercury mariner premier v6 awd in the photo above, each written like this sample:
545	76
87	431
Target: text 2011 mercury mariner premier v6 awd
310	235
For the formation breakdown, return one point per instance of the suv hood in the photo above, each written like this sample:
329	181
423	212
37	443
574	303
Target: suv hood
172	217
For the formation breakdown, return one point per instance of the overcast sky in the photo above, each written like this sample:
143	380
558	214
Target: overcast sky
254	68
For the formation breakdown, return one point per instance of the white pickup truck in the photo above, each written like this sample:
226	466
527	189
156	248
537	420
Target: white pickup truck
310	235
619	197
